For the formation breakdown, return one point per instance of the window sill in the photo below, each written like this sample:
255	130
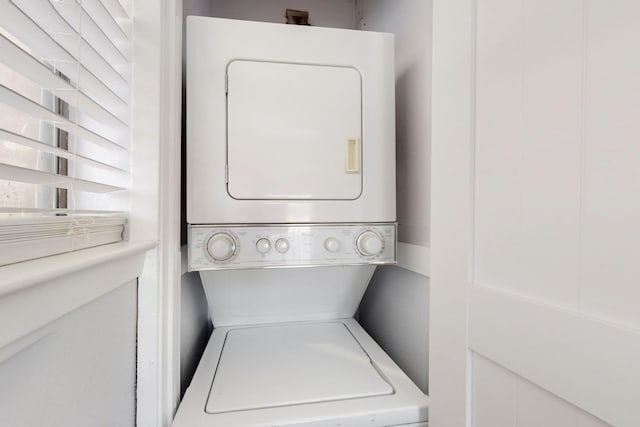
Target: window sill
34	293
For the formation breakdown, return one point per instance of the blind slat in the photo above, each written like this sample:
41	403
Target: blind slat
46	148
27	227
75	20
16	173
16	231
102	41
47	212
20	251
39	112
119	15
21	26
49	19
23	63
36	237
108	25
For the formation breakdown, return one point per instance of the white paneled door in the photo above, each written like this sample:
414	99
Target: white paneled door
538	236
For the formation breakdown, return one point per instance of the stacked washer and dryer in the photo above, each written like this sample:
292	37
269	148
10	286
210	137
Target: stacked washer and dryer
291	205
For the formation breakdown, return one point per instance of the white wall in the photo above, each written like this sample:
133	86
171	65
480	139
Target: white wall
411	22
395	309
395	312
79	370
196	7
155	191
195	324
325	13
194	312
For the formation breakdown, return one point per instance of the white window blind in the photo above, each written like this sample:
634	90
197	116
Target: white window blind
65	72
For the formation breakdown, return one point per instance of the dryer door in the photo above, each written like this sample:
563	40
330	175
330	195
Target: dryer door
294	131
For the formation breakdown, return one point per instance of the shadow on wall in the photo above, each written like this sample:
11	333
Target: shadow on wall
395	312
413	148
195	327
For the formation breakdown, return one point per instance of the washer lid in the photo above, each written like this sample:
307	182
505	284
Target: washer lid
271	366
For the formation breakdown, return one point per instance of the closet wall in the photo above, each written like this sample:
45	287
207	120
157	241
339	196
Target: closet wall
411	22
325	13
395	309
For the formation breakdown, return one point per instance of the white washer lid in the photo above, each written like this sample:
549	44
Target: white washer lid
271	366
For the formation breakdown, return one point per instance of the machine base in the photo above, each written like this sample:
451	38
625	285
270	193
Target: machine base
299	374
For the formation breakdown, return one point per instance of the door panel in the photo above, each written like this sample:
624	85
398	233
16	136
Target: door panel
556	203
504	399
551	221
528	130
581	359
293	131
611	187
493	394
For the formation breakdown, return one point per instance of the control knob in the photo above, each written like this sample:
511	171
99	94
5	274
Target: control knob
369	243
221	247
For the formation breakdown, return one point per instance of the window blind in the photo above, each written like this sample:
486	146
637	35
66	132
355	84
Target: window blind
65	73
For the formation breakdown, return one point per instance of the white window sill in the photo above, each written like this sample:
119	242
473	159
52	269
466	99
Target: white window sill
34	293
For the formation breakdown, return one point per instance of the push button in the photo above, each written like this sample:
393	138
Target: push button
332	244
282	245
263	245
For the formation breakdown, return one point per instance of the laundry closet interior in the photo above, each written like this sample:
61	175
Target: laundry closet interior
394	310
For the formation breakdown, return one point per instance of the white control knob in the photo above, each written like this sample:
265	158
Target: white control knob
221	246
263	245
282	245
332	244
369	243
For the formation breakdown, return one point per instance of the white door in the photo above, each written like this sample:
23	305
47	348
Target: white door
535	284
293	131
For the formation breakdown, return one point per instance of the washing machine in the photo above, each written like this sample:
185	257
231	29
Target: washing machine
290	208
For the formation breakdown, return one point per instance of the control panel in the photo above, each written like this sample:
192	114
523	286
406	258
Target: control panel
213	247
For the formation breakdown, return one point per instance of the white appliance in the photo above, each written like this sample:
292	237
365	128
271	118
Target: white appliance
288	124
290	156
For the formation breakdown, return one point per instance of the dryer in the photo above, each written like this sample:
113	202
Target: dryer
289	124
291	206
